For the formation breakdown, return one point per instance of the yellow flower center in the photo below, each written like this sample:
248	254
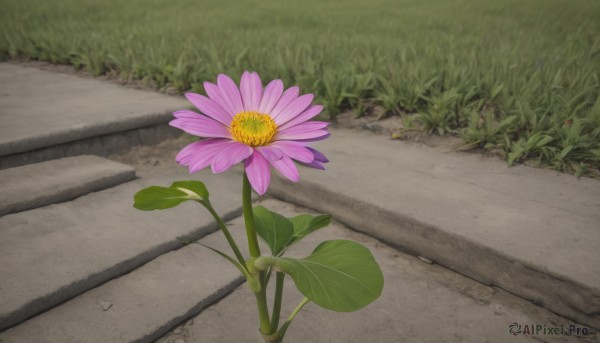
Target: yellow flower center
253	128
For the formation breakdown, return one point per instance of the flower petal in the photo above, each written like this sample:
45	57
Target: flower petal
199	125
325	135
270	152
318	155
295	107
295	150
184	156
286	167
307	115
203	156
314	164
251	90
229	155
303	128
310	136
288	96
186	114
230	93
246	91
209	108
214	94
271	96
257	170
306	126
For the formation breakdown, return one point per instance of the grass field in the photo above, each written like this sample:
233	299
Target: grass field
519	77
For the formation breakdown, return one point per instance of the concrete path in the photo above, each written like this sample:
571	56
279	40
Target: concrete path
532	232
421	302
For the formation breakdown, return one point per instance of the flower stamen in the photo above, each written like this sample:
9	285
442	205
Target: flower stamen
253	128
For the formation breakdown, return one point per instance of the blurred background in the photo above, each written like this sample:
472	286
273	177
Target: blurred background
519	78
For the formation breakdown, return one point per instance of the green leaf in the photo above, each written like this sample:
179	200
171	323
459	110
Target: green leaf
274	228
339	275
543	141
160	198
496	90
515	154
566	151
196	187
306	223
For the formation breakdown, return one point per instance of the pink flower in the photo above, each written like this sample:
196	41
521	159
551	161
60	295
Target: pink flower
260	127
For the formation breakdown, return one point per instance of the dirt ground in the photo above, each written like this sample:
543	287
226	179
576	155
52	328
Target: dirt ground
394	128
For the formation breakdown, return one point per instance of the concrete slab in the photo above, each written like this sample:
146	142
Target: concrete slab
532	232
54	253
40	109
144	304
41	184
420	303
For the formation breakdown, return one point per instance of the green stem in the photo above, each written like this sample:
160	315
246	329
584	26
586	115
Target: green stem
249	218
284	328
228	236
261	295
280	277
263	311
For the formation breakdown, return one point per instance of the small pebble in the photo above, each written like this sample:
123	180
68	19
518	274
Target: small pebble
426	260
105	305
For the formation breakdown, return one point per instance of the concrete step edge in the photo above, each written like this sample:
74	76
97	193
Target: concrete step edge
70	135
69	108
100	145
51	300
561	295
172	288
60	180
44	297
